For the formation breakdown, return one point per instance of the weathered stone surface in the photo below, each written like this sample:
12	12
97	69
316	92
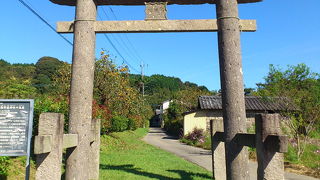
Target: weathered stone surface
141	2
231	78
81	94
218	151
156	11
270	162
70	140
94	161
42	144
49	164
156	26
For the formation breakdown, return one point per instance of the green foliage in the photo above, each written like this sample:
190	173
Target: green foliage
112	89
61	80
159	88
173	127
4	63
46	103
309	158
4	166
119	123
113	94
185	100
19	71
46	68
302	86
131	124
16	89
158	81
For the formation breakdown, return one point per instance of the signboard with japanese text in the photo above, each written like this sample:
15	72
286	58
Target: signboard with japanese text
16	118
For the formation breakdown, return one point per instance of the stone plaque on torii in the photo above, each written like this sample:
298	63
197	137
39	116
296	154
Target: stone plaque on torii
228	25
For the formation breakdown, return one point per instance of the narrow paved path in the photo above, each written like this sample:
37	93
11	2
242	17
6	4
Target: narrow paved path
157	137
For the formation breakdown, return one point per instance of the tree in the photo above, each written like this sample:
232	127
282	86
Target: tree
61	80
16	89
184	100
112	89
302	86
46	68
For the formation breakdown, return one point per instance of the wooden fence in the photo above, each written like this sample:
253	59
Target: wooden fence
270	145
51	141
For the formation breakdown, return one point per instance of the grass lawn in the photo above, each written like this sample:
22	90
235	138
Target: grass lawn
125	156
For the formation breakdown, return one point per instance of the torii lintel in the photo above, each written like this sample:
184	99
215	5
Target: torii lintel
142	2
156	26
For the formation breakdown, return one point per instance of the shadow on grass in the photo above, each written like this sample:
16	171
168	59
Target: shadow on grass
138	171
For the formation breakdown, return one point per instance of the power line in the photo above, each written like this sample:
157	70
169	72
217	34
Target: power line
135	52
126	48
118	52
43	20
116	49
53	29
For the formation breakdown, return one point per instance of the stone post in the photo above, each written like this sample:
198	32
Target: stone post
83	61
218	151
270	162
233	104
95	150
48	146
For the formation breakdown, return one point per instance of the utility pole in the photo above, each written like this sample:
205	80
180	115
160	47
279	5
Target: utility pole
142	65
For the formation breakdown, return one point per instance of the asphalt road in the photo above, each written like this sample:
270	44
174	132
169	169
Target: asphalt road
157	137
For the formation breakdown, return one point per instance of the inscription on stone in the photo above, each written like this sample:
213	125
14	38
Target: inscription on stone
14	127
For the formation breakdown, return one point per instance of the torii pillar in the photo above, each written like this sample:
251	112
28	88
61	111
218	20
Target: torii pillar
83	61
231	77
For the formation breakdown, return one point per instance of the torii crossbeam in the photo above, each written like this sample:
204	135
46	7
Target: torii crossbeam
142	2
228	25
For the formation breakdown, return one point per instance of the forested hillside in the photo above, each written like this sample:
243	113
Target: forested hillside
118	99
159	88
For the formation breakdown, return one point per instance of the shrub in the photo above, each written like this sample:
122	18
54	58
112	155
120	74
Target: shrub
4	166
56	104
197	136
131	124
173	127
119	123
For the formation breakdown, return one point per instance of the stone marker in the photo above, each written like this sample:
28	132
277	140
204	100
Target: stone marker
270	162
218	151
51	125
94	163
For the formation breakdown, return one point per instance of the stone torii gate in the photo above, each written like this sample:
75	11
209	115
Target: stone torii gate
228	25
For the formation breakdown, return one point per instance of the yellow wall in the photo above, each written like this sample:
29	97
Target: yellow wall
192	120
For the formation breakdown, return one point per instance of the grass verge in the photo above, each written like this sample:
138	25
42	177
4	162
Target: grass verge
125	156
16	169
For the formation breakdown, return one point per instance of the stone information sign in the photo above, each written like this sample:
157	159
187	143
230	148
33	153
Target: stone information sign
15	127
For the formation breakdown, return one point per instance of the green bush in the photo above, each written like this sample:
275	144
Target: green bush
4	166
55	104
131	124
119	123
174	128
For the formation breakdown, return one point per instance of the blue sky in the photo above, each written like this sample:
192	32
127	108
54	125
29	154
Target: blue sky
288	34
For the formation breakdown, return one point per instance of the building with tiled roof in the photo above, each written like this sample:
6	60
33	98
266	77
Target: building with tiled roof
210	107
